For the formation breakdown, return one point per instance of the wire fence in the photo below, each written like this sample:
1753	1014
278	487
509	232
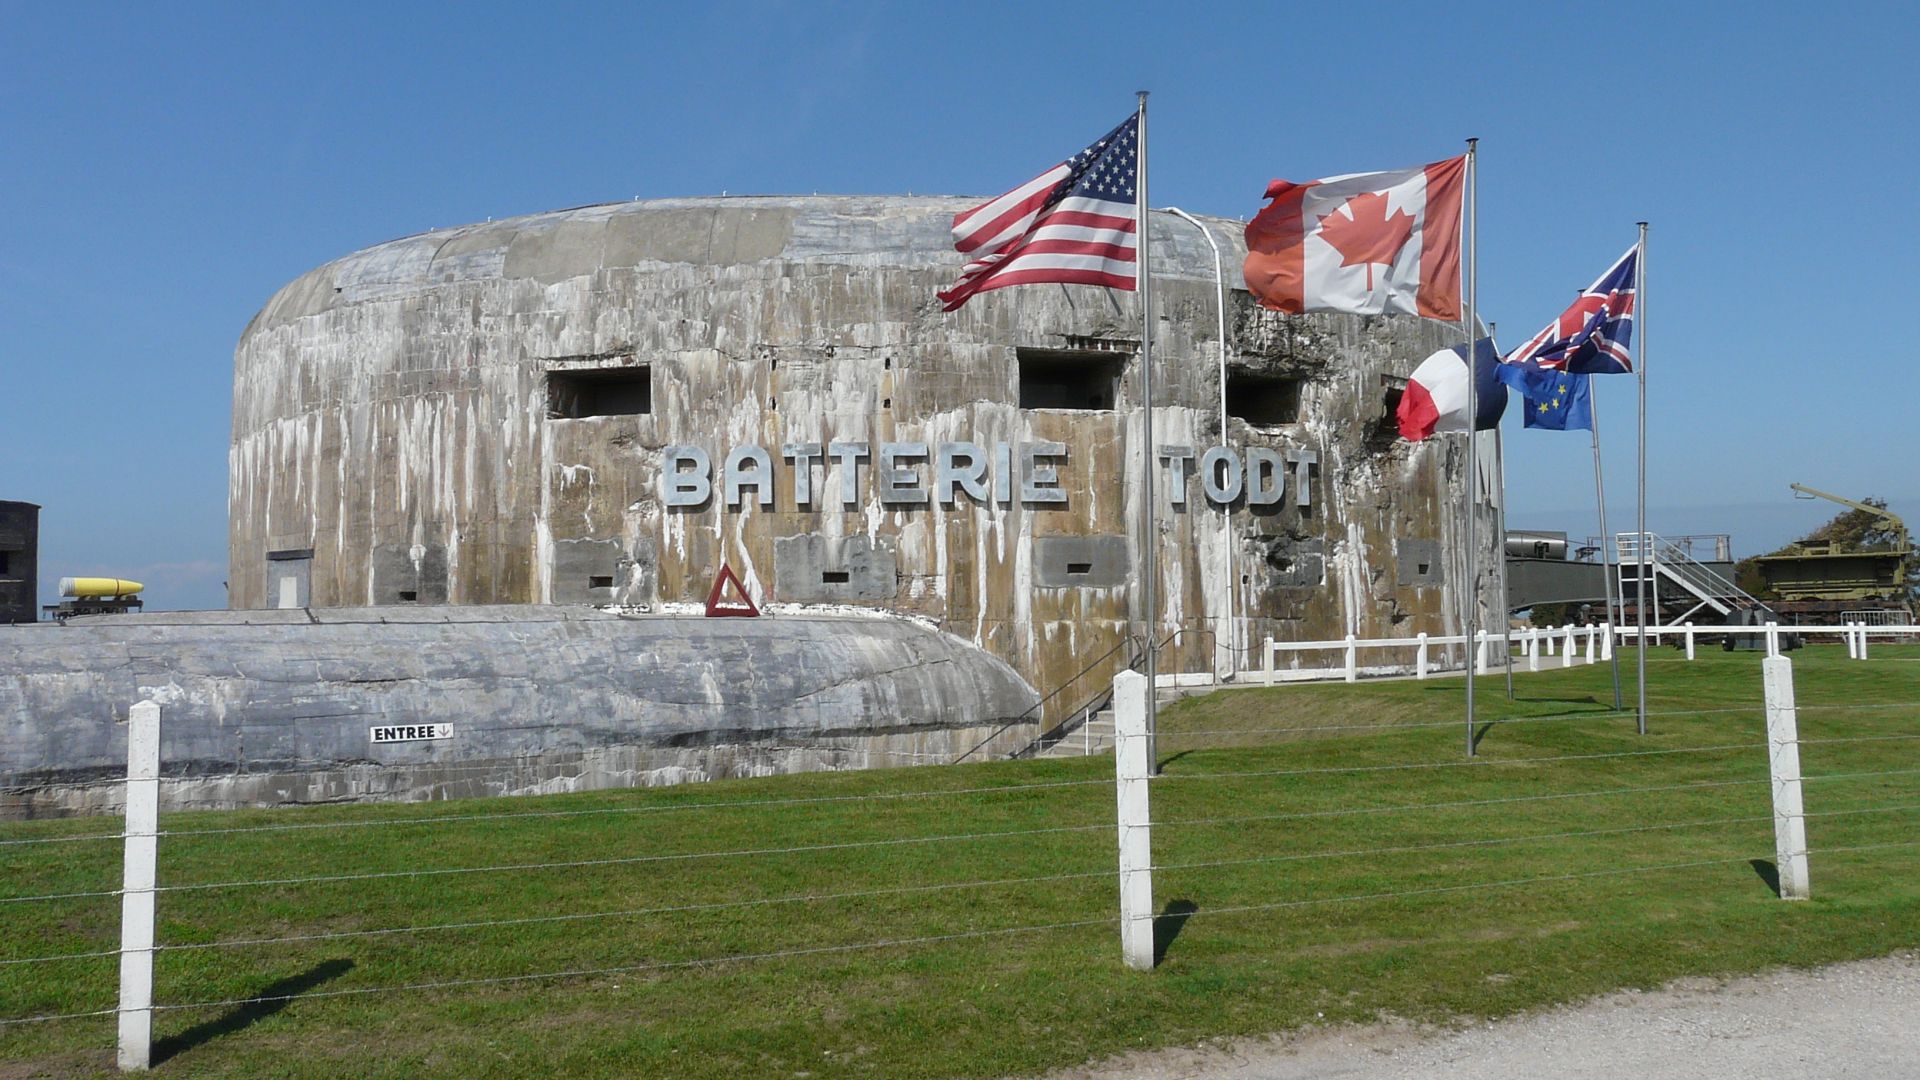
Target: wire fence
789	873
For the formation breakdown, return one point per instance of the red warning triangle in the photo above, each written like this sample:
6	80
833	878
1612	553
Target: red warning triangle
718	606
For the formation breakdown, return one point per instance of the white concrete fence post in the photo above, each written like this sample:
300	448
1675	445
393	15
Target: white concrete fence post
1853	646
1132	765
1566	652
1420	656
1606	641
1590	636
1353	656
1689	640
1533	648
1481	650
1860	629
137	881
1773	639
1783	762
1267	657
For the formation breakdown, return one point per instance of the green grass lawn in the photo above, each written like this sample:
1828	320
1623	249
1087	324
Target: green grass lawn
1296	895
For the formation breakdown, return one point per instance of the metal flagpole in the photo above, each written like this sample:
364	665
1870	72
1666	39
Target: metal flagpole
1149	547
1220	285
1609	569
1506	598
1473	437
1646	549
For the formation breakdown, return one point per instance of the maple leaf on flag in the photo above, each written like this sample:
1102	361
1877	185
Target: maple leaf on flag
1365	234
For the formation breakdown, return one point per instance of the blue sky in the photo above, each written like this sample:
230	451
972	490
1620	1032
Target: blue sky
168	167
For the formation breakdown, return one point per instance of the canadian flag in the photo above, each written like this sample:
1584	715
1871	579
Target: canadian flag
1368	243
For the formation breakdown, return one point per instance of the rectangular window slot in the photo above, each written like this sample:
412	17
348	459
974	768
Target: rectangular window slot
1426	568
834	577
409	596
3	562
600	581
1069	379
1263	400
1080	568
578	393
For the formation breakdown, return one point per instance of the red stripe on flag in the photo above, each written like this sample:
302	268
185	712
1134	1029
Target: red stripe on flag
1275	268
1116	252
1088	220
1417	413
1439	296
1000	225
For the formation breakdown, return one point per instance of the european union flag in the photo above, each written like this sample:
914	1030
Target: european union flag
1556	400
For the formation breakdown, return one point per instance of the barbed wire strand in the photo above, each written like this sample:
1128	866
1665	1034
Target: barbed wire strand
1859	775
10	1021
64	839
1438	889
1458	804
58	896
1759	712
1468	763
1496	841
62	956
897	841
633	912
816	950
723	804
1857	738
1456	844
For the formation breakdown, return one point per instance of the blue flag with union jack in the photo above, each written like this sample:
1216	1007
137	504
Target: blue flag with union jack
1595	335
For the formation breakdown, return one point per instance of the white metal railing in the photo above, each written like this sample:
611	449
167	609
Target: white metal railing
1880	617
1564	641
1627	548
1569	644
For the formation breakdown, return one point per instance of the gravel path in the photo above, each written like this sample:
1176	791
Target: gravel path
1859	1020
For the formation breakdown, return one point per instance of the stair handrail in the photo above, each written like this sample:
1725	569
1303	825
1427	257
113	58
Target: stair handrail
1675	557
1134	658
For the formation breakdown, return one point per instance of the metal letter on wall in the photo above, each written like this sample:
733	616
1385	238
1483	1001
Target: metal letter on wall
685	488
949	474
1220	475
1041	483
898	484
803	455
1303	463
760	477
849	455
1176	458
1266	476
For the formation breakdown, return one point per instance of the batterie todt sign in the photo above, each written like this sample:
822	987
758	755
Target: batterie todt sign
917	473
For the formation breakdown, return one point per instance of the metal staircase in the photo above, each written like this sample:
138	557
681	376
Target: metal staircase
1689	581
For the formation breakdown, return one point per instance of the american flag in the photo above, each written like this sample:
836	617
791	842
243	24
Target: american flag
1075	223
1595	335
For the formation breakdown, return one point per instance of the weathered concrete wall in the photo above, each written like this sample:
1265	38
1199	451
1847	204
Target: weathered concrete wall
272	707
391	414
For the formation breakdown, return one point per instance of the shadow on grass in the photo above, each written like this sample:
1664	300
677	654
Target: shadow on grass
1167	925
1480	732
1768	872
271	999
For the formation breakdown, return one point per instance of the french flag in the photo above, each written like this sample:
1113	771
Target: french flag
1435	399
